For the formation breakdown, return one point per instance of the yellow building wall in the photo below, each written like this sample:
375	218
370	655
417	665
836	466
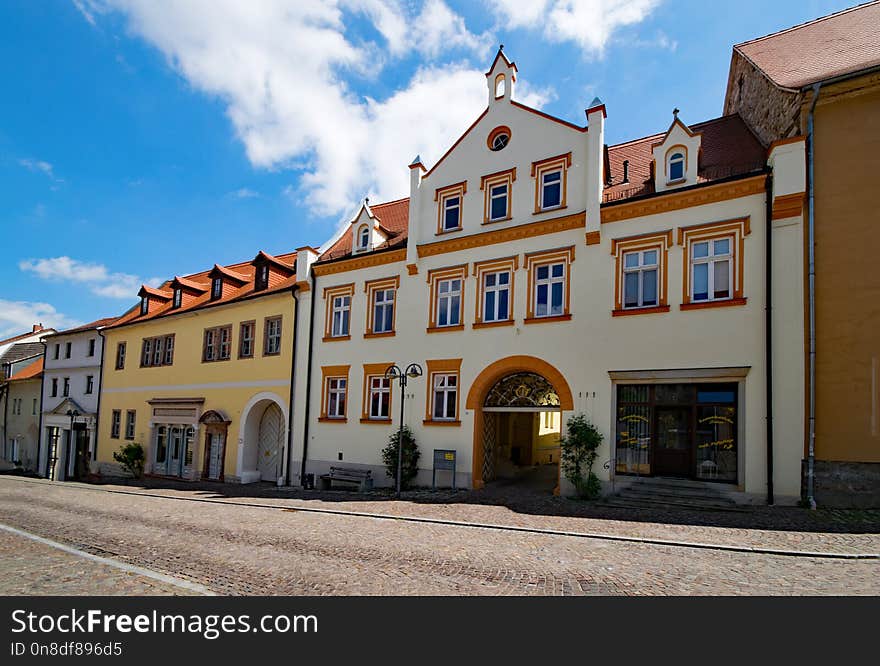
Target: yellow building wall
847	232
230	387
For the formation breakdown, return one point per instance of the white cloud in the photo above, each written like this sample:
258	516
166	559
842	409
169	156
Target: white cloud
96	277
587	23
244	193
81	8
18	317
40	166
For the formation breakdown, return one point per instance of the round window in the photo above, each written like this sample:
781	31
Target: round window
498	138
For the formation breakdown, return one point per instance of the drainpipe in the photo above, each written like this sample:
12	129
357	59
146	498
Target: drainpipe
768	346
290	399
40	422
811	441
100	385
308	376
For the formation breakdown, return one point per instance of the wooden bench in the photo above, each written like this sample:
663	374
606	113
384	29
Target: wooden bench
363	478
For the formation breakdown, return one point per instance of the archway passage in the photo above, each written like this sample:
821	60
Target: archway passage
517	403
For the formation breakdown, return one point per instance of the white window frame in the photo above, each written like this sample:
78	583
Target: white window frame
130	418
677	156
641	268
447	206
378	385
442	391
363	238
444	301
389	295
115	423
168	353
247	332
273	336
561	180
337	386
216	288
549	281
178	298
492	196
496	288
340	305
711	259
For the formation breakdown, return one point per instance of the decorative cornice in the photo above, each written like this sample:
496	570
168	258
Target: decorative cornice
355	263
788	205
518	232
699	196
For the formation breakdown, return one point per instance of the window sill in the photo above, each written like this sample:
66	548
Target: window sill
432	422
546	320
500	219
386	334
444	329
493	324
550	209
444	232
243	358
367	419
677	181
332	419
702	305
335	338
639	311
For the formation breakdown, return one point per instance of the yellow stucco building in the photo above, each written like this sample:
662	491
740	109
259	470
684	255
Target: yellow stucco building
200	373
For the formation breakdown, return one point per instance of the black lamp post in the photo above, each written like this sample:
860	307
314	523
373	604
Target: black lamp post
413	370
72	413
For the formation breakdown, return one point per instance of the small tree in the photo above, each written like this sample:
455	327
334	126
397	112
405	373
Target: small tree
580	446
410	458
131	457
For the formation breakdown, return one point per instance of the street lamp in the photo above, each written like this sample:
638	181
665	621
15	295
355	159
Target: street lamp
72	413
393	372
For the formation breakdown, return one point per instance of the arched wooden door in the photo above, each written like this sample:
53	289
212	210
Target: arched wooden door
269	443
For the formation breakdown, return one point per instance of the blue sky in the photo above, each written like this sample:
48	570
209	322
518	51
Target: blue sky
140	139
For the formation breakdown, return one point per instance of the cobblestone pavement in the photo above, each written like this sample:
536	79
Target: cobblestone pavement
28	567
241	549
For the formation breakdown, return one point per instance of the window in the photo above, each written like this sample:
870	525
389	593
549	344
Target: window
335	392
551	177
246	339
443	394
272	340
54	387
169	350
158	356
115	423
714	259
216	288
217	343
640	280
495	291
67	348
449	208
675	167
377	394
145	305
129	423
34	408
381	295
57	351
363	238
120	355
66	389
90	384
497	188
337	316
499	86
91	347
446	298
261	281
498	138
157	351
178	298
549	285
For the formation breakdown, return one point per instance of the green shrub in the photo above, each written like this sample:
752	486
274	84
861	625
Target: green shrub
410	459
131	457
580	446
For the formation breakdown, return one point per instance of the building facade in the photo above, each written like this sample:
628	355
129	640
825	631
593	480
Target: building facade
21	414
71	386
199	374
788	89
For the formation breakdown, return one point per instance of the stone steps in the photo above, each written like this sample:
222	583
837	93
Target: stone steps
673	494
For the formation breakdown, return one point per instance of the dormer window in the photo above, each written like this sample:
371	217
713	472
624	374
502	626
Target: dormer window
178	298
675	167
363	238
216	288
262	277
145	305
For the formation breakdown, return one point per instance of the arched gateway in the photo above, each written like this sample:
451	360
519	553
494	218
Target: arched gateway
507	397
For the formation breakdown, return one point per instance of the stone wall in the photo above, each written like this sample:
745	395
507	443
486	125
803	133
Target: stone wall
772	113
846	484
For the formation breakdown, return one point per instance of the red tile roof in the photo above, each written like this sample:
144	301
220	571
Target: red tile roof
98	323
841	43
35	369
729	148
22	336
393	217
243	271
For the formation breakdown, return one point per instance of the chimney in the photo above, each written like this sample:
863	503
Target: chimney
37	328
416	169
305	257
595	164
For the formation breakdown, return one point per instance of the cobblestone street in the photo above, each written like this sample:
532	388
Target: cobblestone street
252	545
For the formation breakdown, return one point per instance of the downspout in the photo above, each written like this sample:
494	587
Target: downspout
768	326
40	422
100	392
292	375
308	377
811	440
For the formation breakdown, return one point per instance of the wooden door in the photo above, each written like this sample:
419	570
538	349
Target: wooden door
672	441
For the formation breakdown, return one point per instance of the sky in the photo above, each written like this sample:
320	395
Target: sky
143	139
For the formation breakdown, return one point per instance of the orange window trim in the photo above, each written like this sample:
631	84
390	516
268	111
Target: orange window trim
447	366
329	294
375	370
440	196
535	259
510	264
487	182
737	228
495	132
334	372
676	148
539	168
370	289
433	279
659	240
